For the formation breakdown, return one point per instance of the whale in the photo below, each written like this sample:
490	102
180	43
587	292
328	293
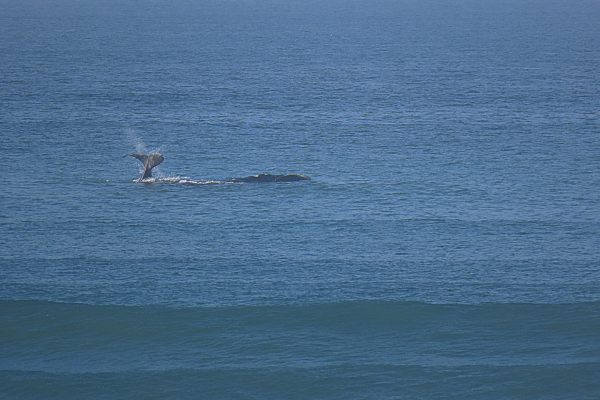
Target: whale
152	160
149	161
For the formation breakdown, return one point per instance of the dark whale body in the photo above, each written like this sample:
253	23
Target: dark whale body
271	178
150	161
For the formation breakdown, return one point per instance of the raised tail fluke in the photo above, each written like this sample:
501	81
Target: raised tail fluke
149	161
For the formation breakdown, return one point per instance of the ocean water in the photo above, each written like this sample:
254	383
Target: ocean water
447	246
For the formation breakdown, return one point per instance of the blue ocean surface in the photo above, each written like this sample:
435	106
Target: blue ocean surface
447	245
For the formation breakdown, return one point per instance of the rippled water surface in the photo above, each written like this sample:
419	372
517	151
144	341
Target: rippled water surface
446	246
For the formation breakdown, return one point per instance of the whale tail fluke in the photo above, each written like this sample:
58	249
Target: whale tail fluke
149	161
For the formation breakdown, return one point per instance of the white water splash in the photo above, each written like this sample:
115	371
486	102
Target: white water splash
183	180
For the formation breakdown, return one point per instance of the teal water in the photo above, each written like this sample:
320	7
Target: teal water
360	349
447	245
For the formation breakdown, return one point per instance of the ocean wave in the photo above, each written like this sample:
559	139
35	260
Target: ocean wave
32	326
309	382
217	349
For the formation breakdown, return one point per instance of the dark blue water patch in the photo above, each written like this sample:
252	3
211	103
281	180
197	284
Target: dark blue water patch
322	350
